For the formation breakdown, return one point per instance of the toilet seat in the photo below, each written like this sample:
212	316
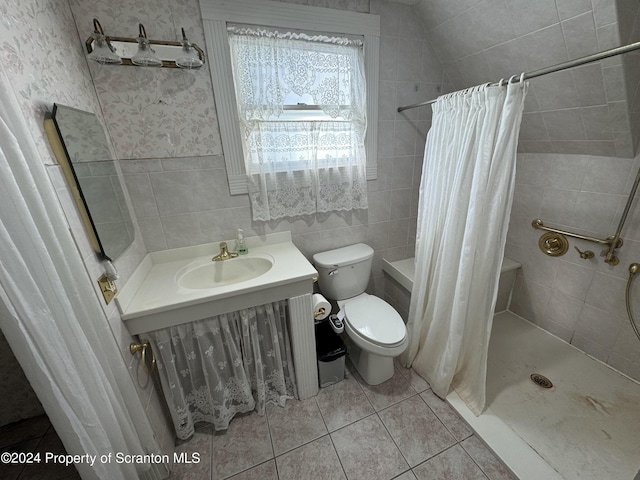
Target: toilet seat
375	321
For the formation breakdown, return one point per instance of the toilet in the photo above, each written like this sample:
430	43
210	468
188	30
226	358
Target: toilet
375	328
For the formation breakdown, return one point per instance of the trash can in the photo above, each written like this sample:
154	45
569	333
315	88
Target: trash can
331	351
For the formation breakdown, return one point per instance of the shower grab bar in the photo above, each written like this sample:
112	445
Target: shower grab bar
539	225
610	254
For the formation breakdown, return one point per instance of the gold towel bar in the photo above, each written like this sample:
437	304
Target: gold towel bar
142	347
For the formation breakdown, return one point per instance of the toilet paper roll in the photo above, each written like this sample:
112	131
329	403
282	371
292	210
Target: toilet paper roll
321	307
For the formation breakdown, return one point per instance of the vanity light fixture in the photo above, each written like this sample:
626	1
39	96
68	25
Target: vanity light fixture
103	52
190	57
142	51
146	56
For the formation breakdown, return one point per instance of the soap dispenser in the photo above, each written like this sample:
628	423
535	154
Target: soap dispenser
241	246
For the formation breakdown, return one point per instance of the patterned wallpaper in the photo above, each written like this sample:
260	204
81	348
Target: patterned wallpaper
40	52
153	112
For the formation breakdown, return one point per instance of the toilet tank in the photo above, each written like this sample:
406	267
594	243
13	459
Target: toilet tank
344	272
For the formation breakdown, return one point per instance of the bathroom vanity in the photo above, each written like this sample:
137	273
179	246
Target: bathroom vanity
182	285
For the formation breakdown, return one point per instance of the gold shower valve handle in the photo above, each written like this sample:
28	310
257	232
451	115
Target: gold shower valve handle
142	347
553	244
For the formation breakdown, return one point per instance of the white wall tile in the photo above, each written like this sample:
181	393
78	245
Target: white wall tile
527	16
571	8
580	35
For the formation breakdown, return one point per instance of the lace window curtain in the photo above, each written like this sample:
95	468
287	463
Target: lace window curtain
301	166
213	369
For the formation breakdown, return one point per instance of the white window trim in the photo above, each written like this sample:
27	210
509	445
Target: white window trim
215	16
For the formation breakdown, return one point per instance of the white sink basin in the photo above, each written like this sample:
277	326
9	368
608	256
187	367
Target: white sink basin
182	285
224	272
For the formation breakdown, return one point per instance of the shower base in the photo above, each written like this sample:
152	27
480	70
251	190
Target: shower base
583	427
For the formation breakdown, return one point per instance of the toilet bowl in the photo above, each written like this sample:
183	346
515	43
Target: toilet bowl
375	328
378	335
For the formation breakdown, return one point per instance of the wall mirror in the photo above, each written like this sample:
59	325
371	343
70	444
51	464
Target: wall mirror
80	145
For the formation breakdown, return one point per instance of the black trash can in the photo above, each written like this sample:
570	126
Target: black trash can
331	351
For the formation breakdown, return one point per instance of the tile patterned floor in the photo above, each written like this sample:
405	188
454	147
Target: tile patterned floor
349	431
31	436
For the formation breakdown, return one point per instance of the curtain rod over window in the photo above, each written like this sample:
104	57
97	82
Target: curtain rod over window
556	68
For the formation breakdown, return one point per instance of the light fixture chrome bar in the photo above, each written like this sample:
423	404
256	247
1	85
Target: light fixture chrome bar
126	47
168	51
555	68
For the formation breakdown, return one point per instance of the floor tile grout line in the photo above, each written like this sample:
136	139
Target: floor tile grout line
473	458
434	456
393	439
210	433
273	456
266	414
338	456
456	442
443	422
353	423
378	413
320	411
246	469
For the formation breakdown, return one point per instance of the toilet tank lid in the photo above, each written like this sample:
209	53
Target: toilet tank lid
343	256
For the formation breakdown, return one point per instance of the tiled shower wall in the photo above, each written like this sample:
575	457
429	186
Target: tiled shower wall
177	182
581	301
585	110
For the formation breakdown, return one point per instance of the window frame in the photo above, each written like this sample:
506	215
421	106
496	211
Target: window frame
215	16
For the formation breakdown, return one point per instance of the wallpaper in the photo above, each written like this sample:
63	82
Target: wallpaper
153	112
36	38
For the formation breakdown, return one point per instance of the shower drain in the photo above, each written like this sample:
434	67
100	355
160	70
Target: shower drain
541	380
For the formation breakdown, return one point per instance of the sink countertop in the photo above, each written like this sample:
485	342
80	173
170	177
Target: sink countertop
152	298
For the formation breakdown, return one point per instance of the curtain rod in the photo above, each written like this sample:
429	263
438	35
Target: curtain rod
556	68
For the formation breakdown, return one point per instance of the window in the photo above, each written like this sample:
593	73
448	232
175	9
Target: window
302	111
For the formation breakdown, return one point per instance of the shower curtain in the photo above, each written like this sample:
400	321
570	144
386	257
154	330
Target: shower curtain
466	193
53	322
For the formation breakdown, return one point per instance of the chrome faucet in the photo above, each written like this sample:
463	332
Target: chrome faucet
224	254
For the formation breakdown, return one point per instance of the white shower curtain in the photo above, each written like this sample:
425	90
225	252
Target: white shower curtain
466	193
51	317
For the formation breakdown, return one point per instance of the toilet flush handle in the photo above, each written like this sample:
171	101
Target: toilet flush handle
334	271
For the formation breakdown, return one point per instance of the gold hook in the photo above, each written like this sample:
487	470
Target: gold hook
142	347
